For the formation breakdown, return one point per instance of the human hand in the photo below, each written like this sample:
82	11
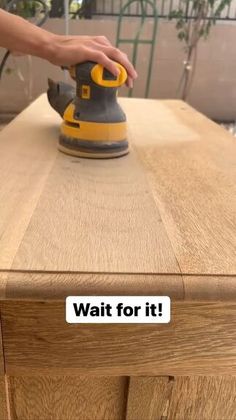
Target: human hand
69	50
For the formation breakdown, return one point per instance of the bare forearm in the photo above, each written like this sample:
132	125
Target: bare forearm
17	34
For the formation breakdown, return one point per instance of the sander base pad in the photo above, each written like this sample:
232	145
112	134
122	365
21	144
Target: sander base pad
92	149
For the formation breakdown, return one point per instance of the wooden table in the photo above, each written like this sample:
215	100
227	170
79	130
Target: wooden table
160	221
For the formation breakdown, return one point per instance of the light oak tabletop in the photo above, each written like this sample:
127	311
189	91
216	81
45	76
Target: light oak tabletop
159	220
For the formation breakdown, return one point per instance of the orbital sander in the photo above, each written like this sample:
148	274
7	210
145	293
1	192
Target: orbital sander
94	125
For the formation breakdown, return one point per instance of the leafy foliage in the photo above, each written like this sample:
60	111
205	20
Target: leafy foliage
24	8
194	20
197	16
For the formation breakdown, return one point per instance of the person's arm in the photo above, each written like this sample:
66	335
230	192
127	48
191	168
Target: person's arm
17	34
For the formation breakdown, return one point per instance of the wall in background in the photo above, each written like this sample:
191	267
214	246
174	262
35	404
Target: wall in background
163	8
213	91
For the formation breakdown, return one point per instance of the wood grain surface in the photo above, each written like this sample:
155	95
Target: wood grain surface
120	398
199	340
191	165
57	286
68	398
27	152
3	284
205	288
174	196
96	216
3	402
182	398
149	398
161	220
205	398
2	367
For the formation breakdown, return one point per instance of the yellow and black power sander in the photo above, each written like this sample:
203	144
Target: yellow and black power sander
94	125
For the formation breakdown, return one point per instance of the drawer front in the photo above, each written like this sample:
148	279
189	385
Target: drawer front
199	340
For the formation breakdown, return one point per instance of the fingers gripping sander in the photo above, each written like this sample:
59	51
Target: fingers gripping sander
94	125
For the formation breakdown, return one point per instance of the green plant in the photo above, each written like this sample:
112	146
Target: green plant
194	20
24	8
